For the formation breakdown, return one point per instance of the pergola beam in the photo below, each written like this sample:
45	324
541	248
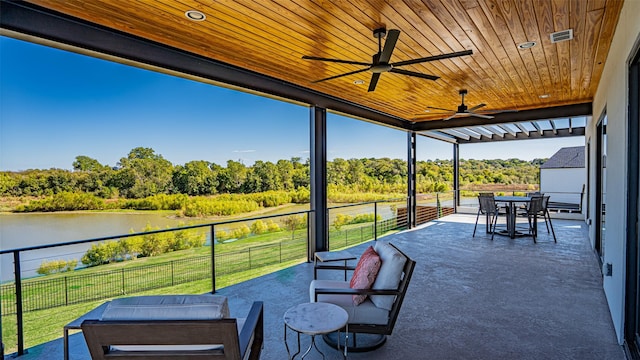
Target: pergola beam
440	136
570	125
538	128
507	129
492	128
546	134
457	133
522	128
470	132
482	131
554	112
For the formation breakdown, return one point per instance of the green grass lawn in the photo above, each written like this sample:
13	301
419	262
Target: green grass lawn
236	261
45	325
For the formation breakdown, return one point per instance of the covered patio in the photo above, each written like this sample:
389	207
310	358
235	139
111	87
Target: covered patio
468	298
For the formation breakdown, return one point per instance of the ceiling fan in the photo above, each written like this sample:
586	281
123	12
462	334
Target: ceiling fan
463	110
380	62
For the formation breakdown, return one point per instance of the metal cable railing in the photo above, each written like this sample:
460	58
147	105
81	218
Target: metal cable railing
27	295
358	223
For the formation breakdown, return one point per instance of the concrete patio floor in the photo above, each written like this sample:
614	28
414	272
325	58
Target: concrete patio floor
469	298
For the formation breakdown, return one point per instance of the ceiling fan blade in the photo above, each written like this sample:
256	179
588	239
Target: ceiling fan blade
433	58
481	116
437	108
374	81
498	111
415	74
336	60
341	75
450	117
389	45
476	107
430	115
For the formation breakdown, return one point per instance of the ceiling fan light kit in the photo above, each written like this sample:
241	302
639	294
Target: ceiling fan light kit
380	62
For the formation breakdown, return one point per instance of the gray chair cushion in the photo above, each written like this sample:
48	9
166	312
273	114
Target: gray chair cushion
389	275
365	313
168	307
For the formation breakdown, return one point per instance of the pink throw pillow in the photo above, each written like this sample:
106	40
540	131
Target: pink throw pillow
365	273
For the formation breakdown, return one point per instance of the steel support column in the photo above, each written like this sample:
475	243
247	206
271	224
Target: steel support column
456	177
411	179
319	225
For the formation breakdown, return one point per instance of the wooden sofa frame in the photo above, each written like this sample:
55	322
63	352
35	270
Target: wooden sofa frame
245	343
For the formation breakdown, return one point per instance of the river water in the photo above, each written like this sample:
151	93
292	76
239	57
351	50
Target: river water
24	230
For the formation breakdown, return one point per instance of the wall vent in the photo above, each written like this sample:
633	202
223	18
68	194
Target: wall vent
563	35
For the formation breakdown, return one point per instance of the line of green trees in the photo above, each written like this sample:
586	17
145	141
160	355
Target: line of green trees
142	246
143	173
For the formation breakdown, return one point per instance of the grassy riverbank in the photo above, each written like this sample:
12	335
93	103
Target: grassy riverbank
236	261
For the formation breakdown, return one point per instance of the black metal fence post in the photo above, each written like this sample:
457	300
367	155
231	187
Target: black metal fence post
375	220
19	320
1	337
213	259
66	291
310	234
172	274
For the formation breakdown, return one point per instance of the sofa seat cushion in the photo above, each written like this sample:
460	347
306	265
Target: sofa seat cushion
365	313
389	275
168	307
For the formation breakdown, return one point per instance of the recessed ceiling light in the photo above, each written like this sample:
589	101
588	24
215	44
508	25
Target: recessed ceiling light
195	15
544	96
527	45
358	82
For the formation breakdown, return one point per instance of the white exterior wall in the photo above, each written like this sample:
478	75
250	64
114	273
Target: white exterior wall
612	94
563	185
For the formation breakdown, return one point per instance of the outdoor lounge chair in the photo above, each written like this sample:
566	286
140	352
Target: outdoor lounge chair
178	330
371	321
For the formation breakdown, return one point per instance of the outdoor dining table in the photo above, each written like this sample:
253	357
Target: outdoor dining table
512	202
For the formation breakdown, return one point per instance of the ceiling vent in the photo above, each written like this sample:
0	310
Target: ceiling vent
563	35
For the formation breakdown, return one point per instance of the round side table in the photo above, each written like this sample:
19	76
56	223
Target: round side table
315	319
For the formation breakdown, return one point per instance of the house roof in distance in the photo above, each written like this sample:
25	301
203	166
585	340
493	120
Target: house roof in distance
567	157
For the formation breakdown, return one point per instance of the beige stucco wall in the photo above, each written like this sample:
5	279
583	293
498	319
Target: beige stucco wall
612	94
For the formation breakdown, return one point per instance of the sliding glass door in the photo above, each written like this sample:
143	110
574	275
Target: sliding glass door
632	307
601	186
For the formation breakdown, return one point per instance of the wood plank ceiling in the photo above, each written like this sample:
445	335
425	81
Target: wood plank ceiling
270	37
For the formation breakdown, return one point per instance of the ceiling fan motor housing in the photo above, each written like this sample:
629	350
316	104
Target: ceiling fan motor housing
379	33
380	68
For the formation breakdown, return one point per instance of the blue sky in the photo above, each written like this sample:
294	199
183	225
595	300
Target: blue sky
56	105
